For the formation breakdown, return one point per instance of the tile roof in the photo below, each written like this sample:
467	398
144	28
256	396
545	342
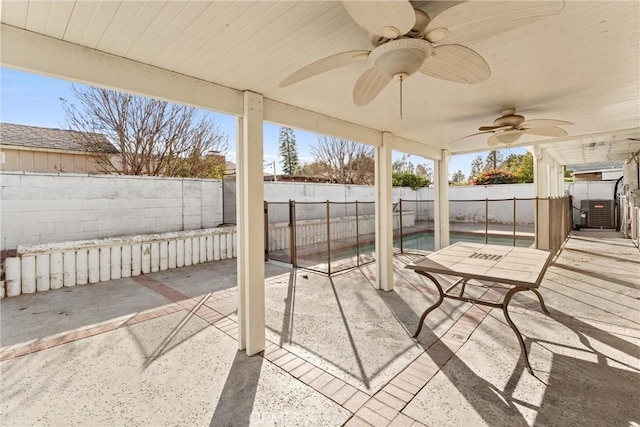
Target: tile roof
58	139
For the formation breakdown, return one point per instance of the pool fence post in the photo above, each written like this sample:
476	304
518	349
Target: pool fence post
486	220
328	238
401	227
514	221
357	238
266	230
293	248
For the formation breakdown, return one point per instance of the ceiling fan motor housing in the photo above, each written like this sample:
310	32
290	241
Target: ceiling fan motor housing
513	120
401	57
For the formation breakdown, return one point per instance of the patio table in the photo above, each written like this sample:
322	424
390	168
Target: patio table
520	269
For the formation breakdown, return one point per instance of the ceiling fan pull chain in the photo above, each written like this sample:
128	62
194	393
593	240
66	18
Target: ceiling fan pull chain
401	79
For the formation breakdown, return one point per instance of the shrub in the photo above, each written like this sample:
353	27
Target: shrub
407	179
494	176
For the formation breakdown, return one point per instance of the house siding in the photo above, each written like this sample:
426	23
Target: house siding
47	161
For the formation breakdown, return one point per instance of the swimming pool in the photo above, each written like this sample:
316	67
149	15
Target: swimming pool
343	254
424	240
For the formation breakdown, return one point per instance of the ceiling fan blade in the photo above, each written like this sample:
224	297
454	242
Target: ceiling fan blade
368	86
456	63
475	20
548	131
469	136
543	123
389	19
495	128
325	64
505	137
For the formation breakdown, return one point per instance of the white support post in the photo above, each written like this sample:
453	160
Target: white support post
541	184
240	261
441	201
384	214
552	179
251	218
560	180
540	174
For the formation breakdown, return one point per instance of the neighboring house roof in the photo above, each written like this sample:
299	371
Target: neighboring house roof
596	167
231	167
50	138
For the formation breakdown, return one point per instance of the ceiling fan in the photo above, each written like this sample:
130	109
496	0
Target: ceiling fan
406	40
509	127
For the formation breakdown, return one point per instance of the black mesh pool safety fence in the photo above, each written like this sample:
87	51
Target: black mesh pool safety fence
330	237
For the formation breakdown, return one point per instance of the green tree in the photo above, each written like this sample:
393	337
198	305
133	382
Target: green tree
195	165
403	165
314	169
568	175
520	166
411	180
476	166
406	174
288	151
458	178
494	158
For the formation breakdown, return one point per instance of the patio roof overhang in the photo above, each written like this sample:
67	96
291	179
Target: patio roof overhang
581	65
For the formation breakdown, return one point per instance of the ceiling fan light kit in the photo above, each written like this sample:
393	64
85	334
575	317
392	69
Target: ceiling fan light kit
507	137
406	40
401	56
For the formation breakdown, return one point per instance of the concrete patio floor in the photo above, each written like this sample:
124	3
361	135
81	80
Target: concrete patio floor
161	349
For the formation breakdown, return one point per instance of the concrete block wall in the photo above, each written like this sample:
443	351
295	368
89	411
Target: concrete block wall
319	192
499	212
40	268
47	208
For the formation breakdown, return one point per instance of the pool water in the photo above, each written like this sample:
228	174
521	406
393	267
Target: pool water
424	241
417	241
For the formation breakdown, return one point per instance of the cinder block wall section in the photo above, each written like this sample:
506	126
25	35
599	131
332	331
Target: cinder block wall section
473	210
42	208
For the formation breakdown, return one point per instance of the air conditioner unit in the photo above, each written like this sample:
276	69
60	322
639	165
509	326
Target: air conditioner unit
599	213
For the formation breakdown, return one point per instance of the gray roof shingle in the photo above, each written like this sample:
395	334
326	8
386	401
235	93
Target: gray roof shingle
596	167
58	139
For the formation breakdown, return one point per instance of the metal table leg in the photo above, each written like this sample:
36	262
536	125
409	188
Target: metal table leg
434	306
505	305
539	295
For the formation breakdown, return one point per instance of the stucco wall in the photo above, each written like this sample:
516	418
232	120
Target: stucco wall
46	208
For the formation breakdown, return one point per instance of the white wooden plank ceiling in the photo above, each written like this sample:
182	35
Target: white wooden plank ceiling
581	65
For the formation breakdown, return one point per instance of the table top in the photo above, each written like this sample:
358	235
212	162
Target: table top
505	264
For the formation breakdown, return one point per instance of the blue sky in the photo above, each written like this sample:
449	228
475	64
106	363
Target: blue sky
34	100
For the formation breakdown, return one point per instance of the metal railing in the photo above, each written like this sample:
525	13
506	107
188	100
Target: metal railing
332	237
327	237
497	221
